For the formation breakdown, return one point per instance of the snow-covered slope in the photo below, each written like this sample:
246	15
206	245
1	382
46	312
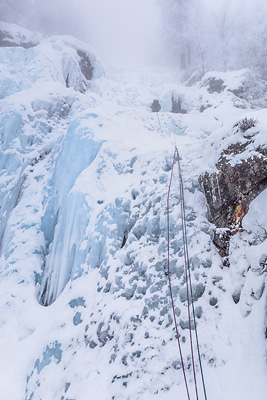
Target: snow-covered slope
84	296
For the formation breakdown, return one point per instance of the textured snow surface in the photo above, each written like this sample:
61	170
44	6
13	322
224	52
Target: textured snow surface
84	296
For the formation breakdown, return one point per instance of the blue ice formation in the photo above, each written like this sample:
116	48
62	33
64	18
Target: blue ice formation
39	80
67	213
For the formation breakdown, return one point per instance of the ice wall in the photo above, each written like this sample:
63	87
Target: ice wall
67	212
39	85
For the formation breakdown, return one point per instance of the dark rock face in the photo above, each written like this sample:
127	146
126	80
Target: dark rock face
6	40
203	108
230	190
155	106
177	106
215	85
85	65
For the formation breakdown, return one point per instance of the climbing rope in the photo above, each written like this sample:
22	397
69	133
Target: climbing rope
189	291
186	265
188	280
169	277
176	155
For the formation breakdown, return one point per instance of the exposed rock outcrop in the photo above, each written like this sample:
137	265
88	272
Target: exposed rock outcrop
86	65
215	85
6	40
15	36
177	106
232	187
246	85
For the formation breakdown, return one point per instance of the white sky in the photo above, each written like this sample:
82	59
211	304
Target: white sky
123	31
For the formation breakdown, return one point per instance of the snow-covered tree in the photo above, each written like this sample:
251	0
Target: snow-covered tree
177	16
204	35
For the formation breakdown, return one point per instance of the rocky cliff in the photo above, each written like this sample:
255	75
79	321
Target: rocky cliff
240	176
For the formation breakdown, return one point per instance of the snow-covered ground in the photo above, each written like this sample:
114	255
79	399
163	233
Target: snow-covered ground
85	310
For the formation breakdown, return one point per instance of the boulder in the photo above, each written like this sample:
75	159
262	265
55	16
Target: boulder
155	106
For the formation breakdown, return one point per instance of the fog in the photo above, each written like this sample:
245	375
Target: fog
191	34
121	31
222	35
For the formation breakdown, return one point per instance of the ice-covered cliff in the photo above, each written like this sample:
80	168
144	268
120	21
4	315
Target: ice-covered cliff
84	296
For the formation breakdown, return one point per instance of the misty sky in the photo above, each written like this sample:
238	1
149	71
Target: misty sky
121	31
124	31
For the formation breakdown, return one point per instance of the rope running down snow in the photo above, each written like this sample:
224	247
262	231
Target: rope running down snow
170	285
188	279
176	154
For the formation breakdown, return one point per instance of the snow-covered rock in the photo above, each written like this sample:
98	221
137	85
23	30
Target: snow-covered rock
244	84
238	178
15	36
